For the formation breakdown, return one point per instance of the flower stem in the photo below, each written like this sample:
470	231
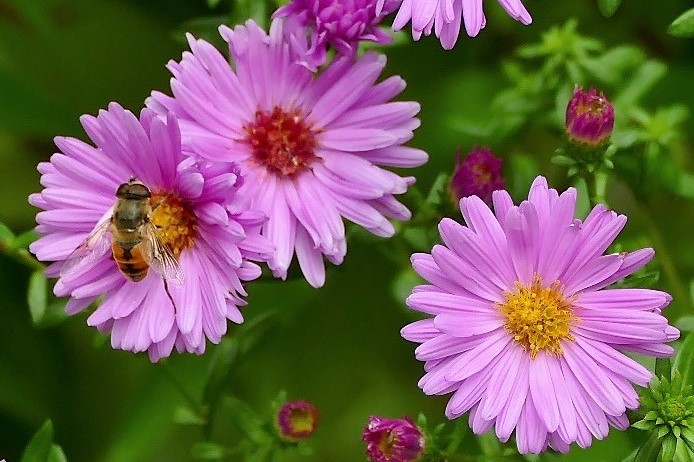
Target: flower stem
22	256
192	402
596	182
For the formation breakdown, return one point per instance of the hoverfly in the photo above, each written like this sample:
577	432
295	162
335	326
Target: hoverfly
134	242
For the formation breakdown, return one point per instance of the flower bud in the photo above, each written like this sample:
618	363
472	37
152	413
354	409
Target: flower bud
589	117
479	174
393	440
296	421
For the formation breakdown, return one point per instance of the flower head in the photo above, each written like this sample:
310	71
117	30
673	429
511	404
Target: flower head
309	147
338	24
479	174
589	117
186	204
296	420
393	440
669	408
524	330
444	17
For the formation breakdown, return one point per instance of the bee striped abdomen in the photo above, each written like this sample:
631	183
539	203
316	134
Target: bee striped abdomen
130	261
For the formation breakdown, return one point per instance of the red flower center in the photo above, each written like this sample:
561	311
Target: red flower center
281	141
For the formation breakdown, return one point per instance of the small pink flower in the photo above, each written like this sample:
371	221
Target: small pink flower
589	117
296	420
393	440
479	174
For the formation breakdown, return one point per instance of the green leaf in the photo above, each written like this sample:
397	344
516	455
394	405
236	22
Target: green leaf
187	416
6	235
37	297
608	7
683	26
667	452
650	449
663	367
207	451
246	419
684	361
40	445
56	454
23	240
213	3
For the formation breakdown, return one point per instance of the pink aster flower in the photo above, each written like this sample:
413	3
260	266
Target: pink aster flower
310	147
340	24
296	421
589	117
444	17
393	440
525	331
478	174
190	204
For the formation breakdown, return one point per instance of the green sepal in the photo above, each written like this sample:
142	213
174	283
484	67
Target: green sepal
648	452
205	450
669	445
683	26
39	448
608	7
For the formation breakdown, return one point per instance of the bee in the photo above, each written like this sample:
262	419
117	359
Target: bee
134	242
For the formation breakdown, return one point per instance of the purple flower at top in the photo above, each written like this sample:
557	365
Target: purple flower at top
336	23
188	206
444	17
479	174
589	117
393	440
296	421
524	329
310	147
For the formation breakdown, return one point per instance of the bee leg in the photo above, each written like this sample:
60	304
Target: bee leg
166	288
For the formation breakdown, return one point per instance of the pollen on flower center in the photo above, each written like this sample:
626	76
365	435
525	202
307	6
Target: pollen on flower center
175	221
387	443
539	317
281	140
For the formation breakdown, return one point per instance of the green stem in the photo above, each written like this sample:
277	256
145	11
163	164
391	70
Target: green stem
22	256
679	289
596	182
192	402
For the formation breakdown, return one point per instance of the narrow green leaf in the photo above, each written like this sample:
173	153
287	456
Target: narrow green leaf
667	453
6	235
213	3
187	416
663	368
684	360
608	7
650	449
40	445
36	296
246	419
207	451
23	240
683	26
56	454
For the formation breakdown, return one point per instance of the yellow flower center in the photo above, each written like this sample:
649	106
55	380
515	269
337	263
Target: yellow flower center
539	317
175	221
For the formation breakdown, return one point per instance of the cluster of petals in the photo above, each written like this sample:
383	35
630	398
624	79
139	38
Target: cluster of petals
444	17
80	183
336	23
393	440
551	398
354	127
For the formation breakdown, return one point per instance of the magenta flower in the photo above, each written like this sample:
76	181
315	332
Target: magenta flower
296	421
444	17
525	332
340	24
479	174
212	245
310	148
393	440
589	117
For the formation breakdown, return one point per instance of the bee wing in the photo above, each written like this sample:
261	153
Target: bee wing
93	247
160	257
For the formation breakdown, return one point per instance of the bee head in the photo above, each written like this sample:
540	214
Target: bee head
133	190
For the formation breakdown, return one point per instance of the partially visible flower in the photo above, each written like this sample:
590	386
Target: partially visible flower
444	17
589	117
296	421
669	411
393	440
524	331
479	174
310	147
340	24
212	245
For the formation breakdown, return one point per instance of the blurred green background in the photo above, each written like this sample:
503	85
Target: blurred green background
338	347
